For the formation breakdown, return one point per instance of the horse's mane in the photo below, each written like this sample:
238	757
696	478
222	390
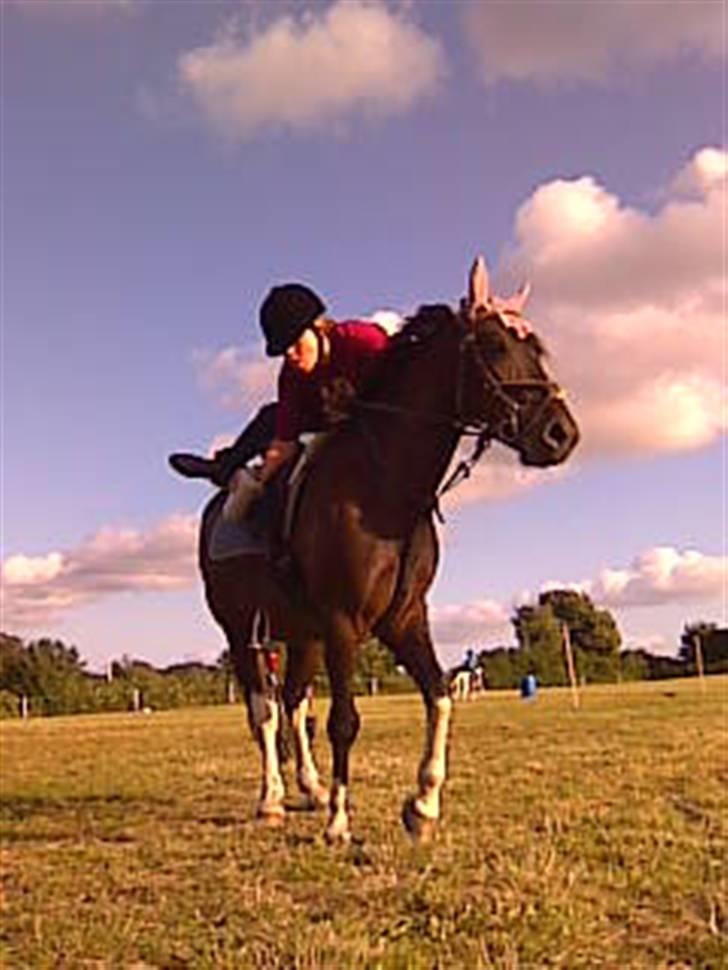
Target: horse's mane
417	333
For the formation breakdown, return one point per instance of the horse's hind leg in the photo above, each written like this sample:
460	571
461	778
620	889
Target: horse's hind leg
263	714
301	665
410	640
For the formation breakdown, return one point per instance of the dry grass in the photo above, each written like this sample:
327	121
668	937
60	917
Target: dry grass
590	839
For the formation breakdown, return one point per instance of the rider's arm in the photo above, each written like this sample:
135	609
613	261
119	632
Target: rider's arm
278	452
287	424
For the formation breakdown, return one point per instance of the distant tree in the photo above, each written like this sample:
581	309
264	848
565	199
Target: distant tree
56	678
662	668
375	662
634	665
713	644
595	637
539	635
14	669
503	667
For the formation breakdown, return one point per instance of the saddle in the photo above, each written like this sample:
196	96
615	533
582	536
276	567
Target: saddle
267	528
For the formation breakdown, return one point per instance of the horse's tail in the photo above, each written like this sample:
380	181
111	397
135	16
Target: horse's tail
209	517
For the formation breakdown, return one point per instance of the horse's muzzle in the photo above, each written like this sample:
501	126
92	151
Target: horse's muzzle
552	438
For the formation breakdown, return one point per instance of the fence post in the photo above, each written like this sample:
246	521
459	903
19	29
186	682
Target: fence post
699	660
570	665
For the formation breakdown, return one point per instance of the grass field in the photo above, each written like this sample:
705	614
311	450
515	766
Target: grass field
589	839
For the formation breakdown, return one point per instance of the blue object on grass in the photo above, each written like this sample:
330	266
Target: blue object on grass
529	686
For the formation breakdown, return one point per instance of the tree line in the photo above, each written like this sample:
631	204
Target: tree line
52	678
596	644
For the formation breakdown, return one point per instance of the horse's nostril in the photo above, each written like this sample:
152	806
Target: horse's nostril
555	435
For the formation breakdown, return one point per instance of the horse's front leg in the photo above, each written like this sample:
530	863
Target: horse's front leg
298	700
343	723
421	812
264	720
410	640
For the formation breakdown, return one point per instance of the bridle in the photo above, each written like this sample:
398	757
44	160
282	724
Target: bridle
513	425
506	417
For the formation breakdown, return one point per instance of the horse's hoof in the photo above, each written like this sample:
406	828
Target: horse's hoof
315	802
272	818
319	797
335	835
316	795
337	838
419	828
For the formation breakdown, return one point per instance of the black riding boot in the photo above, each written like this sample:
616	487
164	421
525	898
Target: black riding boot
253	440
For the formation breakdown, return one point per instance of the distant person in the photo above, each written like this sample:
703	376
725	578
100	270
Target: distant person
326	364
529	686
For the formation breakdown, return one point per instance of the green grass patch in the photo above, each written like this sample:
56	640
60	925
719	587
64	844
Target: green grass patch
594	838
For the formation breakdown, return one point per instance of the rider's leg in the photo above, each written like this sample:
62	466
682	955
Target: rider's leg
253	440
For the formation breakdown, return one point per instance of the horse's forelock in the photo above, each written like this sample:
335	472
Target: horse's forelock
519	327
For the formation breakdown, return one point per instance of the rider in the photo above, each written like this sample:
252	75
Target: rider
325	365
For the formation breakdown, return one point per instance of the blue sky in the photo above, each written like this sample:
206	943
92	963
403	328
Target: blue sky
164	164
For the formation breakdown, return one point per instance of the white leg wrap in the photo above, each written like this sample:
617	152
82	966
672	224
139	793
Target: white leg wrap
264	715
433	766
338	828
306	771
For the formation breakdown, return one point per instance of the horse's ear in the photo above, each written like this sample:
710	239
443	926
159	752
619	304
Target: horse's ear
479	285
517	302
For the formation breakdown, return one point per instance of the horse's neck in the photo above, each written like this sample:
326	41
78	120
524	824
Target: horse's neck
416	436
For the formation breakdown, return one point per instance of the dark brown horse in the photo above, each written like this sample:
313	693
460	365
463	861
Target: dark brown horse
364	543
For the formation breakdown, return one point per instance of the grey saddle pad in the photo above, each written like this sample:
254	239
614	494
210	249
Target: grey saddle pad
228	539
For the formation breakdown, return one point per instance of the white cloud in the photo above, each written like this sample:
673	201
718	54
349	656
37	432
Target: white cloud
312	70
658	576
633	305
661	576
707	170
497	476
18	570
38	588
467	623
239	376
560	40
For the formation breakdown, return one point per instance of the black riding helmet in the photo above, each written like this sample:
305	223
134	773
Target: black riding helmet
285	313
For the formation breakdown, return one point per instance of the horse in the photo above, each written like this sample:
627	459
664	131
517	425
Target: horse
466	682
364	543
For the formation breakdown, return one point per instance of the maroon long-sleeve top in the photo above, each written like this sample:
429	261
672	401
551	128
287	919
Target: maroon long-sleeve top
354	346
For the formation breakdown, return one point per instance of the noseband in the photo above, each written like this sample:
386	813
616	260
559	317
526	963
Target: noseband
510	424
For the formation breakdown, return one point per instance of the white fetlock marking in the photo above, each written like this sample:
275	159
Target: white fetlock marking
338	827
306	771
433	767
264	712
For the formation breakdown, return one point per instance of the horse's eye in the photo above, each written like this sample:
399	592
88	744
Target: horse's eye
492	344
